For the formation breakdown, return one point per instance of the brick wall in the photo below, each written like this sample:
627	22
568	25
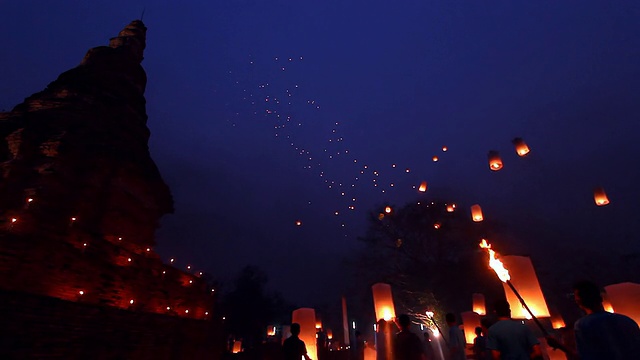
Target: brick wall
40	327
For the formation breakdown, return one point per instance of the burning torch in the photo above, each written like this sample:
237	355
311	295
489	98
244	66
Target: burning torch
503	275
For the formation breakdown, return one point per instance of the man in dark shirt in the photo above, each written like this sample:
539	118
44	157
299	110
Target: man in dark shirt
407	344
509	339
293	348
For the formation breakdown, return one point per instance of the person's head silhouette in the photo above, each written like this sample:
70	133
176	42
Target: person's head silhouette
502	308
295	329
404	322
587	296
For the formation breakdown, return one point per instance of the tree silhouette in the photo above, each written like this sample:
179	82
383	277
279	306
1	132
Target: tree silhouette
429	255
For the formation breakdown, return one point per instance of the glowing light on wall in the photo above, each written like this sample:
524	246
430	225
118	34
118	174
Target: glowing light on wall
478	304
306	317
525	280
383	301
600	197
476	213
625	299
470	320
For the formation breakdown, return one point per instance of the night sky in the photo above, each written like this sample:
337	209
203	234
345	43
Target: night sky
368	81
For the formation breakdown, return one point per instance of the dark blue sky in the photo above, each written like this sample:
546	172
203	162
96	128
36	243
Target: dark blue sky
400	80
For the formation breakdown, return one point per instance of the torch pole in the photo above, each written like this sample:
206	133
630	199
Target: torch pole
524	304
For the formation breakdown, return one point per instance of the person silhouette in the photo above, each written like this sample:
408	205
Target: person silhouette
293	348
407	345
509	339
600	334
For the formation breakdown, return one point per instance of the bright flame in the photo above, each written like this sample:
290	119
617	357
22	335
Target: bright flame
429	314
435	332
494	263
387	209
386	314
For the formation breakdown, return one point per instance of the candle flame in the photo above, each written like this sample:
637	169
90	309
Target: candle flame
494	263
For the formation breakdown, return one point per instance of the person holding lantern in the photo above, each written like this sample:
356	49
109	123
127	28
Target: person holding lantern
511	340
293	348
600	334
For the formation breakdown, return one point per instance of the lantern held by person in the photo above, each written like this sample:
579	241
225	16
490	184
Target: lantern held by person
479	304
524	278
521	147
306	317
470	321
476	213
383	301
625	299
600	197
495	162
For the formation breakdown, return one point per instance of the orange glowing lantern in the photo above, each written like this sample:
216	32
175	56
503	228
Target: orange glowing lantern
271	331
370	353
444	148
525	280
387	209
625	299
237	346
600	197
495	162
606	304
435	159
451	207
521	147
436	226
383	301
557	322
329	334
318	322
478	304
423	186
306	317
476	213
470	321
298	223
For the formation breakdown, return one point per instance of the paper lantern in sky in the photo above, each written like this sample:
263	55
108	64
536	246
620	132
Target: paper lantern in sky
470	321
237	346
476	213
387	209
495	162
306	317
521	147
525	280
600	197
557	322
478	304
329	334
625	299
271	330
383	301
423	186
451	207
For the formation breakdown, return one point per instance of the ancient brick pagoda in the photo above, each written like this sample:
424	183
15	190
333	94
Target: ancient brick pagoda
80	196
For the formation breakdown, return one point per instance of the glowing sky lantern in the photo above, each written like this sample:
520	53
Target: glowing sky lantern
525	280
606	304
478	304
271	330
298	223
444	149
306	317
451	207
383	301
435	159
237	346
470	320
521	147
329	334
423	186
495	162
557	322
387	209
600	197
625	299
476	213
